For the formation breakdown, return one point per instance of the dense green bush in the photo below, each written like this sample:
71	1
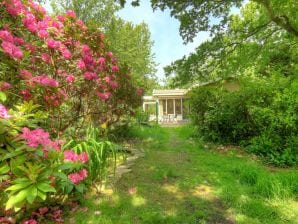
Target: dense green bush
262	116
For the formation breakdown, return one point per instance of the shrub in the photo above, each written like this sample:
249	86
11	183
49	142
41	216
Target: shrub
58	78
262	115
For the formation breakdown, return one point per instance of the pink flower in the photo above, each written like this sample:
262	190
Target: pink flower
70	155
14	7
83	157
71	14
43	34
35	137
70	78
42	25
115	68
140	91
46	58
88	59
53	44
25	93
18	41
101	60
45	81
109	78
30	221
25	74
57	25
43	210
90	76
65	52
37	7
86	49
80	23
5	86
73	157
110	54
78	176
61	18
30	48
81	64
114	85
39	137
3	112
104	96
30	22
12	50
6	36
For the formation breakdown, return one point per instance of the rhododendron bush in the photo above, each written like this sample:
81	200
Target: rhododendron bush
58	63
58	78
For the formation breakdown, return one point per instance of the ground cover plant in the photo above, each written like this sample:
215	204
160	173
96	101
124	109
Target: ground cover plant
182	181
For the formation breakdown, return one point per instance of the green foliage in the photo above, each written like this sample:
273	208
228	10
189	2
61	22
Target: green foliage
252	42
102	155
262	116
195	185
32	183
133	46
29	176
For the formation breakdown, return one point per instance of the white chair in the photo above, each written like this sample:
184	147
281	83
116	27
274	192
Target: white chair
179	117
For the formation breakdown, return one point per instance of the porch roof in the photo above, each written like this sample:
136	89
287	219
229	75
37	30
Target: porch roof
169	92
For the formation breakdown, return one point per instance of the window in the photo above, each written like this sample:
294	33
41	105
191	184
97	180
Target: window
178	106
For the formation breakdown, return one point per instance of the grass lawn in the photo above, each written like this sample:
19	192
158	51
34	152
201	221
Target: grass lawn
179	181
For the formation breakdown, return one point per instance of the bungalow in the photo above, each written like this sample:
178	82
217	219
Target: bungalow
171	106
167	106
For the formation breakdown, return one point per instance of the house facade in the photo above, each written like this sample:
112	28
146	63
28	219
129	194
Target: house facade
167	106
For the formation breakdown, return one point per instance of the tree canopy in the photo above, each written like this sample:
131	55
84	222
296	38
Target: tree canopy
213	16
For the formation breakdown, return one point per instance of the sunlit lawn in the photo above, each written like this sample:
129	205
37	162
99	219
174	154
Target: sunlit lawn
179	181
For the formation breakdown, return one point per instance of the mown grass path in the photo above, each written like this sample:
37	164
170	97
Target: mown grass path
179	181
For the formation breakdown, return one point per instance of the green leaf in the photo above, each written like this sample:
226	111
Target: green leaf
17	187
4	169
2	97
11	155
16	199
67	166
80	188
61	175
46	187
4	177
42	195
32	194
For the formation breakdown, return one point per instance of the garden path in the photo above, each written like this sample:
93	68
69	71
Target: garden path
178	181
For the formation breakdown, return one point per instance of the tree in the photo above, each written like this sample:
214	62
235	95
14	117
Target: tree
251	41
201	15
92	11
130	43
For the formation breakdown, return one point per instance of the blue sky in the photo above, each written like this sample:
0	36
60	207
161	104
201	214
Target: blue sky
168	45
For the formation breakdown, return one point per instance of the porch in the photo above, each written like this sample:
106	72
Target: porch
167	106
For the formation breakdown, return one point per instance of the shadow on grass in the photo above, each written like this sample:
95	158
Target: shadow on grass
180	182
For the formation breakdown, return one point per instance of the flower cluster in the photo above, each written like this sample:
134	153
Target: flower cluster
3	112
5	86
9	44
72	156
78	176
45	81
39	137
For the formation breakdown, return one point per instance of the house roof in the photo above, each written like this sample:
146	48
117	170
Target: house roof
169	92
148	98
